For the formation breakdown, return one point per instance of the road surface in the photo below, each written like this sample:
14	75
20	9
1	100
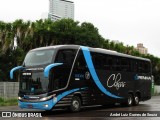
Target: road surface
149	110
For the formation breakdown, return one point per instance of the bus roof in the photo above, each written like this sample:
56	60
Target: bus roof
115	53
57	47
98	50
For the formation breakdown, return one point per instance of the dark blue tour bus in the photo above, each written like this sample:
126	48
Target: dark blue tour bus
72	76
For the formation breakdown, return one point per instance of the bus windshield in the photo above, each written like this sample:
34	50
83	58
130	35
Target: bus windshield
34	83
39	57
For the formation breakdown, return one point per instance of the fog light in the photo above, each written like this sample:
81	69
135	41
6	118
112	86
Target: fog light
45	105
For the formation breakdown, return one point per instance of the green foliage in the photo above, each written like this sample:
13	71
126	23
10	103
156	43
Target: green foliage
8	102
46	33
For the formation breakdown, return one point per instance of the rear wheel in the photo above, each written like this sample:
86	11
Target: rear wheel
129	101
136	100
75	104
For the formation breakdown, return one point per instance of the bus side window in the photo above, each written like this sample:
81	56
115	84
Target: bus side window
60	58
66	57
114	61
135	66
146	67
109	62
140	67
98	60
80	62
125	65
118	64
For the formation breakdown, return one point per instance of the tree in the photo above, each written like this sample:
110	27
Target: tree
88	35
46	32
65	31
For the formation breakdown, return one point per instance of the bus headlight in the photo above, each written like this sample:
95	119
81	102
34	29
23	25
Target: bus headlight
47	98
19	98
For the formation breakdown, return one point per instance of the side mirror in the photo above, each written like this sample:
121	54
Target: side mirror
13	70
49	67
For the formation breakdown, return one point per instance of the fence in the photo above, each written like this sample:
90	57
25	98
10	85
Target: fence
157	90
9	89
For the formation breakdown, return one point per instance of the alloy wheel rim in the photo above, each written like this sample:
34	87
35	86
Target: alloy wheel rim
76	104
129	100
136	99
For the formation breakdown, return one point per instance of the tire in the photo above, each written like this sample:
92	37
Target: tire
129	101
136	100
75	104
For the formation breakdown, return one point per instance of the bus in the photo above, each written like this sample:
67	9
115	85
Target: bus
73	76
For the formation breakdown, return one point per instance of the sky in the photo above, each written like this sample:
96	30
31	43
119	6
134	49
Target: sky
128	21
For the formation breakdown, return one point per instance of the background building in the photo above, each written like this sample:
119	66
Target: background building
142	49
61	9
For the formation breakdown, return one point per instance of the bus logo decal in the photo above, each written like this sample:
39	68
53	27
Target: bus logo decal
138	77
87	75
115	81
79	76
91	68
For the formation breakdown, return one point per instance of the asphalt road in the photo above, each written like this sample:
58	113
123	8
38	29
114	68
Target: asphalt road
148	110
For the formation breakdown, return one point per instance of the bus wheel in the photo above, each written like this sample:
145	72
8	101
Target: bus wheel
129	100
136	100
75	104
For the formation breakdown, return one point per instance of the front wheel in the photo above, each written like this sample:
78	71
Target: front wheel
75	104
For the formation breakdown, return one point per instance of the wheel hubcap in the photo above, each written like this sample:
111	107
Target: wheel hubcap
136	100
129	100
76	104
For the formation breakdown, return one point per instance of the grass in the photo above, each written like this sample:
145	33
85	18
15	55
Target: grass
156	94
8	102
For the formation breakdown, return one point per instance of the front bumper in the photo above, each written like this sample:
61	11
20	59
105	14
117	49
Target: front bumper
45	105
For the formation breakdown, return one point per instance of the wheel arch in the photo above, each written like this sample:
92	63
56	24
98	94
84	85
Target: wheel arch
139	94
78	94
131	92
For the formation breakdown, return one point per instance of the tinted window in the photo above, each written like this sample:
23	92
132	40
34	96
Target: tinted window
147	67
134	66
80	61
66	57
125	64
118	63
98	60
39	57
109	62
141	66
60	74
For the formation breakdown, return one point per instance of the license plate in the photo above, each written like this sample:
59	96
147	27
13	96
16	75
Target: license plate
30	106
26	74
